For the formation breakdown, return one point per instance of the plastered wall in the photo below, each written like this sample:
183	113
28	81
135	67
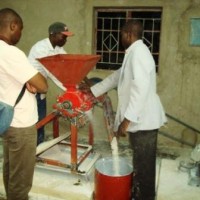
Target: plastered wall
178	78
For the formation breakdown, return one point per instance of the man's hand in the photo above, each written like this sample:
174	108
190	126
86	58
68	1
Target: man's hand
30	88
101	98
121	132
84	87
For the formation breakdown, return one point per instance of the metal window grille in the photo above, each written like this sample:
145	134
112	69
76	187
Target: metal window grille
108	25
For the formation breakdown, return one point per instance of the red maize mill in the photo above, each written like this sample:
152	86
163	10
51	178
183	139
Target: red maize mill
73	104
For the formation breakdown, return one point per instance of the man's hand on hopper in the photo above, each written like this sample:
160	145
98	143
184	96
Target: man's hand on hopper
84	87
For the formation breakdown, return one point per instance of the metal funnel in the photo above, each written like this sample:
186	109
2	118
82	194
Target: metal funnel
69	69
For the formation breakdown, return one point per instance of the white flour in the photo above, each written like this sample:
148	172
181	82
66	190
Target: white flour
116	165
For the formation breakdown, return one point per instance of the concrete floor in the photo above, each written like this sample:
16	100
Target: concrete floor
48	184
172	183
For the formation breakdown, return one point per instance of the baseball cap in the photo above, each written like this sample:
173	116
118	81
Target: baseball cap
59	27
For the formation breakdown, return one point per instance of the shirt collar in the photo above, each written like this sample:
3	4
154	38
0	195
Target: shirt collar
49	44
132	46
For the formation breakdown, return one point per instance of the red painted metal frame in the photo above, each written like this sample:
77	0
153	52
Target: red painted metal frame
49	118
75	162
54	162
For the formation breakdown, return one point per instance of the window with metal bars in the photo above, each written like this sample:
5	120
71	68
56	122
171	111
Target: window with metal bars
108	23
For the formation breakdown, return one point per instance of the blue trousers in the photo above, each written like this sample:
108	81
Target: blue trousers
42	110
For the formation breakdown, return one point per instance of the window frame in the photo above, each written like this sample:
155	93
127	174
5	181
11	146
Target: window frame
128	12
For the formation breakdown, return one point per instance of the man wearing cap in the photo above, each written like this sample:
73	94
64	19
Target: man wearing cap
58	33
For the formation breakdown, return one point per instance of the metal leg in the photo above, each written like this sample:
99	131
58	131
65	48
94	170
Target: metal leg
56	127
74	138
91	135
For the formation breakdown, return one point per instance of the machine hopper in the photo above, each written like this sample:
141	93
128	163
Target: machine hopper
70	69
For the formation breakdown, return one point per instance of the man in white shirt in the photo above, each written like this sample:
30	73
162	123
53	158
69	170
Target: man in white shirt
58	33
139	112
19	140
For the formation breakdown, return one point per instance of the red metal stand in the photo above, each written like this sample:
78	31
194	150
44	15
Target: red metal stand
75	161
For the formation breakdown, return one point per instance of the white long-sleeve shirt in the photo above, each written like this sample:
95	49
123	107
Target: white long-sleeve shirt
43	48
137	97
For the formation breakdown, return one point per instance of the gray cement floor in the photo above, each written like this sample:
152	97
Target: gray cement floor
172	183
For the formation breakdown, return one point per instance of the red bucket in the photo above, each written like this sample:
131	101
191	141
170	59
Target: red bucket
112	185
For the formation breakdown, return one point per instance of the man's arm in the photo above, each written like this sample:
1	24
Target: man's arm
39	83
